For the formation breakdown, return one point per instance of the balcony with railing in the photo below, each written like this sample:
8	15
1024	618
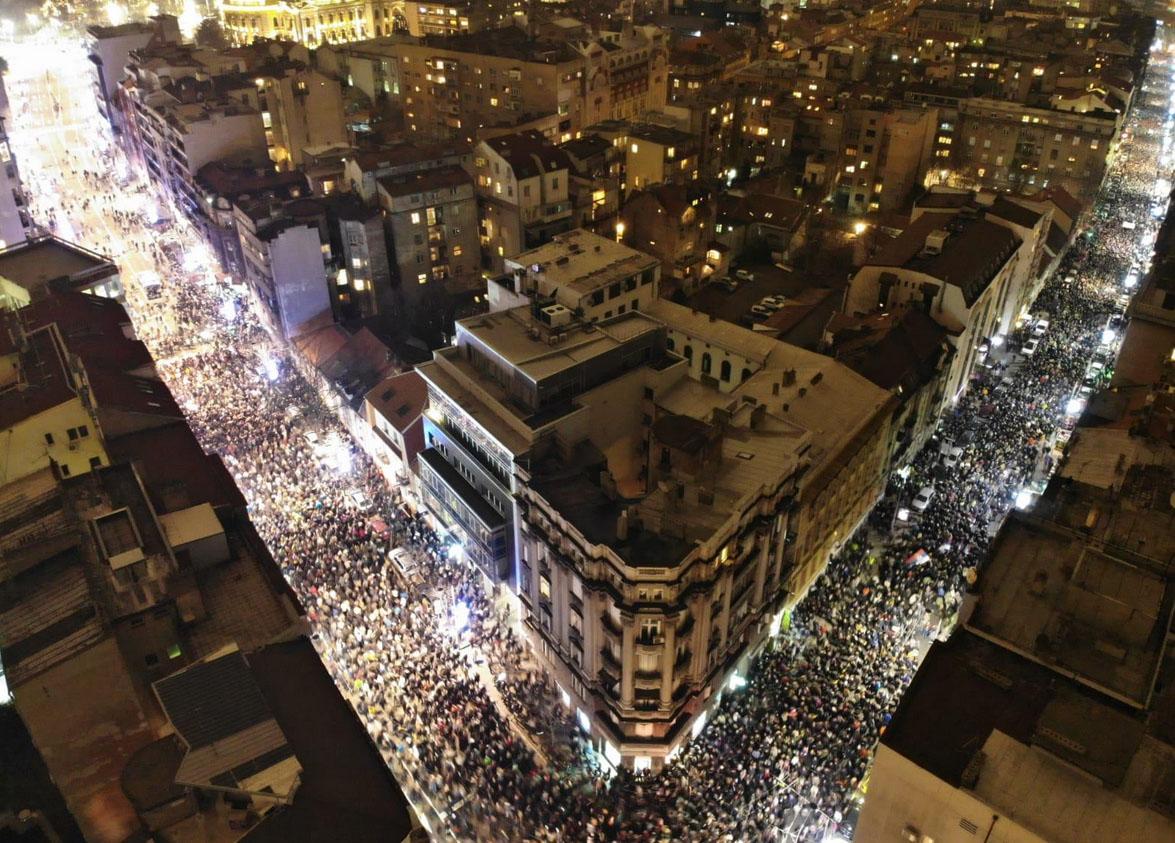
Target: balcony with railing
647	678
610	625
609	659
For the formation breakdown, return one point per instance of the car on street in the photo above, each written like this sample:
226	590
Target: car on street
922	499
729	284
769	303
951	454
1038	330
1030	347
761	311
776	301
744	275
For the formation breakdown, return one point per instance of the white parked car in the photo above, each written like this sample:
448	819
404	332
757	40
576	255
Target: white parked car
922	499
761	311
1040	327
1030	347
744	275
951	454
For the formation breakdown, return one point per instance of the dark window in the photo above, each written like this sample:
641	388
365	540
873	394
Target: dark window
706	363
669	344
689	352
151	659
95	462
746	373
725	370
48	438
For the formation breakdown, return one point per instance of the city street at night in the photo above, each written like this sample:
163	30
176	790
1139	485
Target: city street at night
483	742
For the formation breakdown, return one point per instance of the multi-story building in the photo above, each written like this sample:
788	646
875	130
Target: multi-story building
319	22
1022	148
523	189
961	269
300	108
675	225
110	48
584	273
15	221
645	477
365	167
906	354
450	87
885	157
222	186
431	224
427	17
1042	717
625	73
175	139
394	410
285	263
123	573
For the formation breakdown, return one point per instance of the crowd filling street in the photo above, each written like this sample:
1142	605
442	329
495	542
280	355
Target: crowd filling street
441	679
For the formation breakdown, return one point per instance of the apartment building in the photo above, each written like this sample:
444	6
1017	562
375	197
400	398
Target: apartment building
885	157
645	469
109	50
676	225
582	273
122	571
1022	148
524	195
285	261
1030	224
625	72
432	228
961	269
300	108
175	139
364	167
222	186
311	23
448	88
15	220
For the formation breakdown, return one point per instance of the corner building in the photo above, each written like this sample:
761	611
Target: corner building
657	486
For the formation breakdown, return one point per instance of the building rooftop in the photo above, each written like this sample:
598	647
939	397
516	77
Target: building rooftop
400	399
973	254
583	262
34	263
1079	603
717	332
529	153
435	179
1067	764
512	335
505	42
347	791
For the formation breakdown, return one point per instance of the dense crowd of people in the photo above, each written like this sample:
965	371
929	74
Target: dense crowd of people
436	671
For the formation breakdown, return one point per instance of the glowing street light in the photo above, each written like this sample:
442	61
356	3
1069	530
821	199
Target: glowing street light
859	228
1024	499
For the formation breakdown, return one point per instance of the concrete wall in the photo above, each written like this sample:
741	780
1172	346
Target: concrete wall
299	278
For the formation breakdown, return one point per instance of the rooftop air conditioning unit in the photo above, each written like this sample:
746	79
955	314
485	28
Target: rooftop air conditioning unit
556	315
935	240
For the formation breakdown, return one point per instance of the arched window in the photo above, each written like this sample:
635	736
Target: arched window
725	370
706	363
689	352
746	373
670	344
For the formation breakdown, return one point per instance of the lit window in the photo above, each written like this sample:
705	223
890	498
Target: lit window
422	278
415	218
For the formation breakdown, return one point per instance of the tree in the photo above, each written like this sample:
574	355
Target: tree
211	34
